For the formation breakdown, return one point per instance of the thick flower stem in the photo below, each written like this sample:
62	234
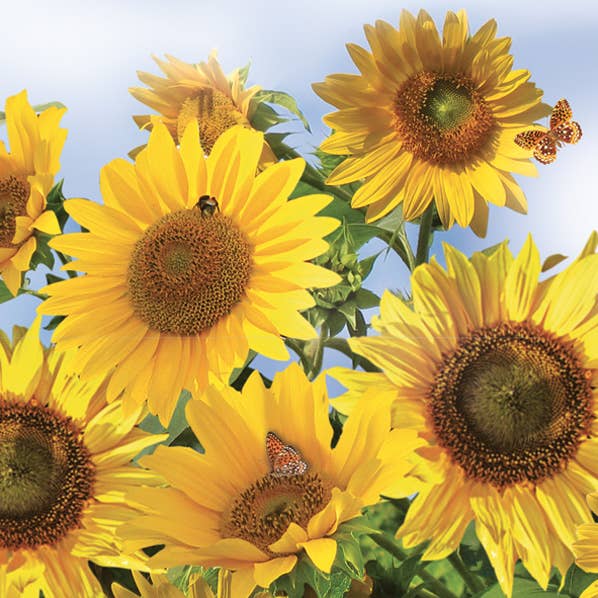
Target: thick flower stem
471	580
391	547
424	239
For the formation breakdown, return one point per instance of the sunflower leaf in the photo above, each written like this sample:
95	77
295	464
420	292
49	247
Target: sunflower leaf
283	99
5	294
577	580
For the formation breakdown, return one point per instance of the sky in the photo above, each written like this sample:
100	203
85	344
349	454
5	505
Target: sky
86	54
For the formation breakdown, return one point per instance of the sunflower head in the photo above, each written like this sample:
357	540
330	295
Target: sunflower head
26	177
191	262
266	492
496	370
61	448
199	93
432	117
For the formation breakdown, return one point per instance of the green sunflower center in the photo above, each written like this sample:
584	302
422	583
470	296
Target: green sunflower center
14	193
263	512
46	475
442	119
214	112
188	270
511	404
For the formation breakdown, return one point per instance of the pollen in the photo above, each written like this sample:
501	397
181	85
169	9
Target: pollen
442	118
511	404
214	112
46	475
14	193
262	513
188	270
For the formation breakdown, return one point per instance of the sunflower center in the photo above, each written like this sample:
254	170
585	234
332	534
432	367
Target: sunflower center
46	475
214	112
511	404
442	118
188	270
262	513
14	193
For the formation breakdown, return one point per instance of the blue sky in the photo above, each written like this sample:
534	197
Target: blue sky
86	55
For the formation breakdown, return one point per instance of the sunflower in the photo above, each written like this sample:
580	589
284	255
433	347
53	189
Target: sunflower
178	288
497	373
586	547
432	118
26	177
64	467
266	490
162	588
198	92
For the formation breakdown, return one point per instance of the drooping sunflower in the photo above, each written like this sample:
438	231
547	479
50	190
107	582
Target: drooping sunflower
497	372
198	92
255	507
26	177
64	466
586	548
192	262
431	118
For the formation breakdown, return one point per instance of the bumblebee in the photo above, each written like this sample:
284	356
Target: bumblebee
207	205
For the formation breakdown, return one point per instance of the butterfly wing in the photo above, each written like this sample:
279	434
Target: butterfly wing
569	132
284	459
561	113
545	150
529	139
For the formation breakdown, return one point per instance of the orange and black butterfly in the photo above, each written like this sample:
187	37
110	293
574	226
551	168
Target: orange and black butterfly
284	459
545	143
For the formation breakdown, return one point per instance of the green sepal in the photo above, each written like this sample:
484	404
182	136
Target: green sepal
55	202
265	117
42	254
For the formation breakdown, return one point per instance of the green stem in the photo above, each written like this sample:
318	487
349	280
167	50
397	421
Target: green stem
471	580
425	234
342	346
401	555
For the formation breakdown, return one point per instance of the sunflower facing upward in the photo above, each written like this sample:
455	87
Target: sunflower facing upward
246	509
432	118
497	372
26	177
198	92
64	466
192	262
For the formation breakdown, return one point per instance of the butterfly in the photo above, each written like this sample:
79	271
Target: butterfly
545	143
284	459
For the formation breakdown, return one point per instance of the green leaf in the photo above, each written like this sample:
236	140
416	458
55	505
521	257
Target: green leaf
52	278
366	299
265	117
552	260
37	108
282	99
577	580
177	424
5	294
55	202
366	265
523	588
54	321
